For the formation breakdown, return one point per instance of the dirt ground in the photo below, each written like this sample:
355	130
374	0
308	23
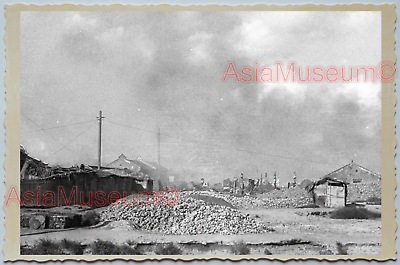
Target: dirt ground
296	231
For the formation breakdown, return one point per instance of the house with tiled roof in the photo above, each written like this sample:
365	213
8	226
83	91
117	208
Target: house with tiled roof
145	169
354	173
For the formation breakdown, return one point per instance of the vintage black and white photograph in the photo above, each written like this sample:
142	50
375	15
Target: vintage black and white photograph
201	133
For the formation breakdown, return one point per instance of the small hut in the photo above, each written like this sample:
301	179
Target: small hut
329	192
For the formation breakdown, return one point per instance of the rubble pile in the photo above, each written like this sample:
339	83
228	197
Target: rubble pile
244	202
286	198
189	216
363	191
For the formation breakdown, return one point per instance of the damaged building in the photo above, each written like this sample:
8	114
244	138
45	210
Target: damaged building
348	184
38	179
329	192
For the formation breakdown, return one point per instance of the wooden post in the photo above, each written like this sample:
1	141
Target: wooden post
100	118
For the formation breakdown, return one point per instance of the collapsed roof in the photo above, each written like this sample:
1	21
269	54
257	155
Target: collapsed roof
322	181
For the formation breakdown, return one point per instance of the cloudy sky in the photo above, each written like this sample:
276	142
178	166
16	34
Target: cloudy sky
151	70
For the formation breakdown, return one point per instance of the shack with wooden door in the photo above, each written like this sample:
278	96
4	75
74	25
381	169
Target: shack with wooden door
362	185
329	192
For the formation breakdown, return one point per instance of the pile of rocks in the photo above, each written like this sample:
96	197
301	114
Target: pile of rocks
189	216
241	202
214	219
363	191
286	198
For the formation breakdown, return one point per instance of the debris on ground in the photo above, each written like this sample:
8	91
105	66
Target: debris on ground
188	217
286	198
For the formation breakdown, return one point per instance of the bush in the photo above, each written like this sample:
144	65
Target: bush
240	248
25	250
128	250
342	250
101	247
74	248
354	212
44	247
169	249
326	252
68	247
47	247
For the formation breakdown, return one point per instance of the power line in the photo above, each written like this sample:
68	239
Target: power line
213	145
225	147
57	127
46	132
156	133
64	111
258	153
75	138
131	127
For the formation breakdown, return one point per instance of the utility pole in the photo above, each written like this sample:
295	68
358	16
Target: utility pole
100	118
159	153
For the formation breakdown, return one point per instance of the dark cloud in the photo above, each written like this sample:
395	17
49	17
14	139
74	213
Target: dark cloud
150	70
